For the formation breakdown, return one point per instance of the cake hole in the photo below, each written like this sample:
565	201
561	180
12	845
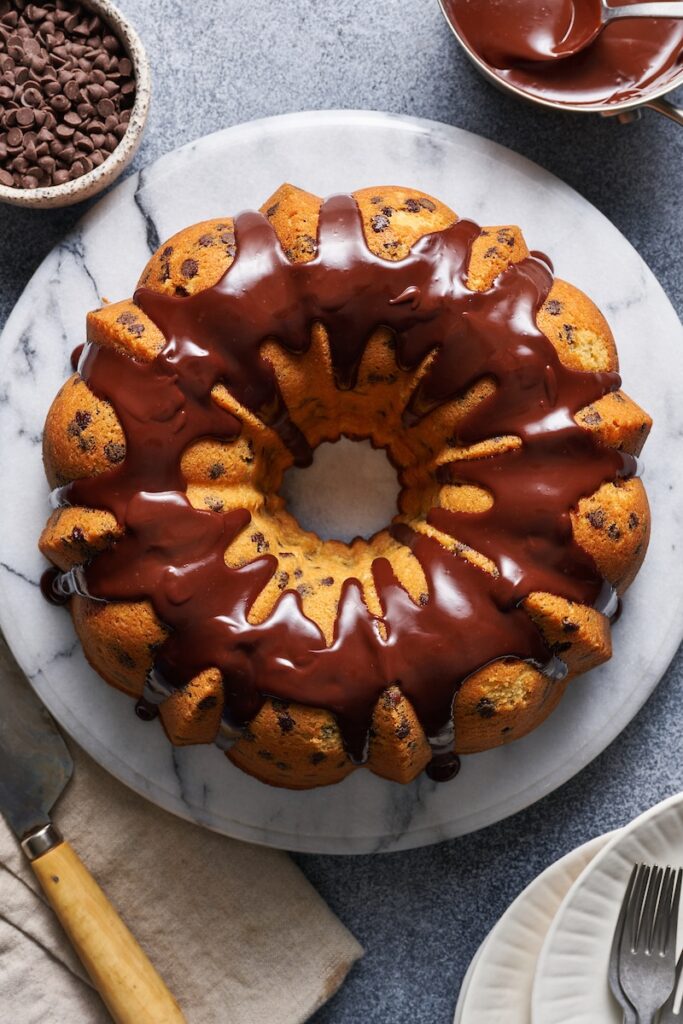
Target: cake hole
350	490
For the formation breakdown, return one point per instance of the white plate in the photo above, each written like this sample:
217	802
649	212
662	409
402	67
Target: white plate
498	983
238	168
571	977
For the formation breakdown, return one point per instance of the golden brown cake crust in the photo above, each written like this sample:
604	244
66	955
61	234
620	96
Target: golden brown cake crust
290	744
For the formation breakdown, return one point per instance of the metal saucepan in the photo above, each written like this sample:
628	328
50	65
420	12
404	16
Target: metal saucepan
624	110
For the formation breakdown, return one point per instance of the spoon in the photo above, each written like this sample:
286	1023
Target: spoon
585	29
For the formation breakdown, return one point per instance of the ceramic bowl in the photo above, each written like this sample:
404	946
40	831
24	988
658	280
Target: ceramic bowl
96	180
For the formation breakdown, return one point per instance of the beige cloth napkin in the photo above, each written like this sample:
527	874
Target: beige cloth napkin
236	931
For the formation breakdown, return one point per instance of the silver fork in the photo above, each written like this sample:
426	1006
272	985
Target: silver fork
647	951
666	1014
629	1014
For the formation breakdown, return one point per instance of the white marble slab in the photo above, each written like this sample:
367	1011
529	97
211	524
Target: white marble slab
238	168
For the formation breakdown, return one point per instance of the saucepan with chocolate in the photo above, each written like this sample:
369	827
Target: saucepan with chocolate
580	55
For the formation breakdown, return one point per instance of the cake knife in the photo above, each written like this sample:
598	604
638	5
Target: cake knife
35	767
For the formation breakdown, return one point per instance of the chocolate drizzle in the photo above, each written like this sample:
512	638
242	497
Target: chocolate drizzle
75	356
173	554
48	589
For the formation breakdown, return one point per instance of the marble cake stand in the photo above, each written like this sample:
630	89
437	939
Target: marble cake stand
238	168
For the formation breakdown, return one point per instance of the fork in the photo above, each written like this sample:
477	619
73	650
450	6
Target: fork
629	1014
647	951
666	1014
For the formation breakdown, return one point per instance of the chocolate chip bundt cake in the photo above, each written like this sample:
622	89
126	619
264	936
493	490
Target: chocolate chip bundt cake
493	389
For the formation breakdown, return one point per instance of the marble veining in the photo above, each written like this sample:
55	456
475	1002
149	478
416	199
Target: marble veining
102	258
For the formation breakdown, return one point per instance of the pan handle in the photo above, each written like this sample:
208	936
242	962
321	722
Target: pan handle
663	106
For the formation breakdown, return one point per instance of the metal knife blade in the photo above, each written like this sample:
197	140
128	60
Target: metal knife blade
35	764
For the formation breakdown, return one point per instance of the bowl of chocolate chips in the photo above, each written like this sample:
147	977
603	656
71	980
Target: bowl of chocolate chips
74	95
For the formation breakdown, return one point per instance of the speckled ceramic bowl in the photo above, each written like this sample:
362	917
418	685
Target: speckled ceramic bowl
94	181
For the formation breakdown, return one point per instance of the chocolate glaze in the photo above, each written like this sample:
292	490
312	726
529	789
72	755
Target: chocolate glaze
443	767
75	356
173	554
627	57
47	587
145	710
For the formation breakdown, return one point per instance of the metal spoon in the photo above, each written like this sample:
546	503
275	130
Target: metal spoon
585	30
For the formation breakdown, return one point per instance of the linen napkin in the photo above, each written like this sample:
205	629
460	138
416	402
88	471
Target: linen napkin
235	930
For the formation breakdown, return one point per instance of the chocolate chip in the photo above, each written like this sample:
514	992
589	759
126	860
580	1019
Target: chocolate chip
485	708
260	541
207	702
561	647
114	452
105	107
412	206
59	103
213	503
379	223
286	722
189	268
124	658
82	419
613	531
30	98
633	521
596	518
282	579
553	307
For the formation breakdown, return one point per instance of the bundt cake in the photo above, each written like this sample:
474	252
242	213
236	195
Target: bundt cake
493	389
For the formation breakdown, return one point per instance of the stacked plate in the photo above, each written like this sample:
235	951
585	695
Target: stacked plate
545	961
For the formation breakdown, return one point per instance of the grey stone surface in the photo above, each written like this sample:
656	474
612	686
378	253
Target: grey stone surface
421	914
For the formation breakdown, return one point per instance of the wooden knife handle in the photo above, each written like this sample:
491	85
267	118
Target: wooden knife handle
126	980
